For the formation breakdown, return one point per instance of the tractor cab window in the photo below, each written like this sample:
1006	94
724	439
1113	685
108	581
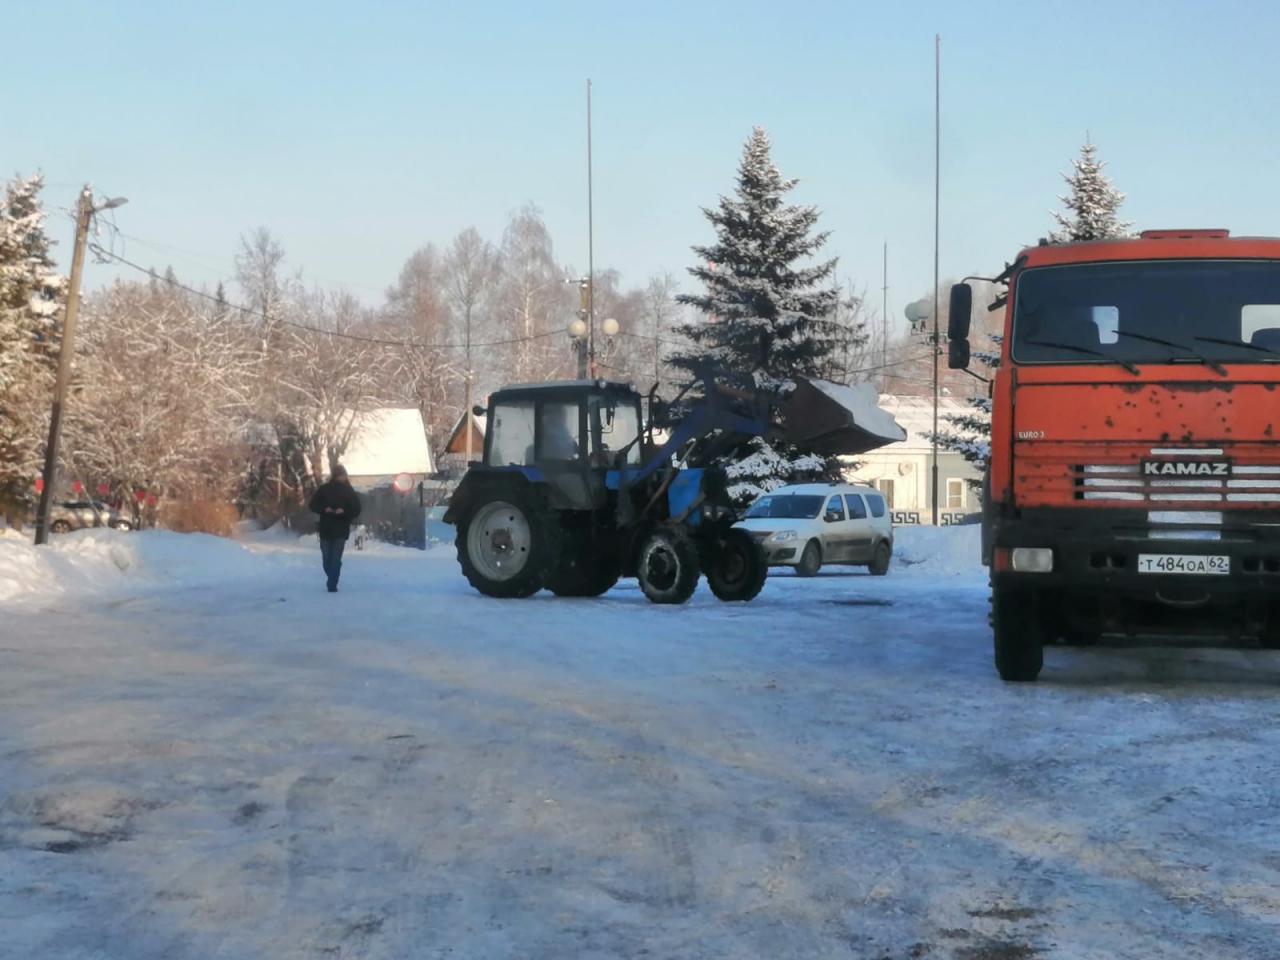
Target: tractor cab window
615	427
559	435
511	441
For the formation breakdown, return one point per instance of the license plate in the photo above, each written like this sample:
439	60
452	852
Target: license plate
1182	563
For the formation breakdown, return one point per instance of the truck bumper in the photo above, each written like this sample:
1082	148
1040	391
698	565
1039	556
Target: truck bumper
1096	572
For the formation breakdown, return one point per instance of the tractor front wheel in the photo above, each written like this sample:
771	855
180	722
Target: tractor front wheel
668	567
508	545
738	568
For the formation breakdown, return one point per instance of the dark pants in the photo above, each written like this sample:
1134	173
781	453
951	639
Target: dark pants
331	555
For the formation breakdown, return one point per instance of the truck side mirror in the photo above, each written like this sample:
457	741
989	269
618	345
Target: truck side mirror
959	319
960	313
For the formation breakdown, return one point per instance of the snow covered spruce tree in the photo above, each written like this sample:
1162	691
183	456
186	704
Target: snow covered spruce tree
31	295
764	311
1092	202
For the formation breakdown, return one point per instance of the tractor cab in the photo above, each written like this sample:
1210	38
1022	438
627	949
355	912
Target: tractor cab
566	433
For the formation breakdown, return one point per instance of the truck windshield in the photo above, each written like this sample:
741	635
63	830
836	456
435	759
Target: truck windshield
786	506
1184	311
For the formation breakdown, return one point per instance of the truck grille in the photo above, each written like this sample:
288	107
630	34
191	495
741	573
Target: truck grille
1126	484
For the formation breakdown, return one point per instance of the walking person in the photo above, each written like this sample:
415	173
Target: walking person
337	506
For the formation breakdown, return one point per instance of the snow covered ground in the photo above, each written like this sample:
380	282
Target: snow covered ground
204	755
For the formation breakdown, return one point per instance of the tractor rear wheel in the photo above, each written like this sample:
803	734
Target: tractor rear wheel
508	544
738	568
668	567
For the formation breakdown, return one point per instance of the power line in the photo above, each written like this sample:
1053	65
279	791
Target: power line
101	251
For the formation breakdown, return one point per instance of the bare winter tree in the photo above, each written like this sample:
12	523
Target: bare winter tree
164	389
258	269
472	271
533	301
430	374
327	382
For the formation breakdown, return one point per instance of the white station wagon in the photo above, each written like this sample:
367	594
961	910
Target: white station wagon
810	524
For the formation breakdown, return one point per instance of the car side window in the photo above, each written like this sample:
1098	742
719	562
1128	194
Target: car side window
876	503
857	509
835	509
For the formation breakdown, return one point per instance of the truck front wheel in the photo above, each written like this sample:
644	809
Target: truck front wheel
1018	633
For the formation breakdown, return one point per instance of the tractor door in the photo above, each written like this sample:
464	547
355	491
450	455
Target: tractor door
561	453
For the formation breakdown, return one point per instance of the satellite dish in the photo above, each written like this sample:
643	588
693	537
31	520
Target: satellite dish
403	483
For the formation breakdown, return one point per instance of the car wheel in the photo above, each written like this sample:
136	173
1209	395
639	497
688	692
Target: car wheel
879	564
810	560
60	526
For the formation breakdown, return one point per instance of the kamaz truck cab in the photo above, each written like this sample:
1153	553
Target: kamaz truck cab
1134	478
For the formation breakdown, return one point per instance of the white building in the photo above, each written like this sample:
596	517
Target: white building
902	471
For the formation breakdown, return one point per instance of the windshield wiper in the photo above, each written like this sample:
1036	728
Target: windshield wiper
1211	364
1128	365
1226	341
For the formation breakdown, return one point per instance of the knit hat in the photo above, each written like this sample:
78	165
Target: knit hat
339	473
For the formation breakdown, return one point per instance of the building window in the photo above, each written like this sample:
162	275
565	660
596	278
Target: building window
886	487
955	494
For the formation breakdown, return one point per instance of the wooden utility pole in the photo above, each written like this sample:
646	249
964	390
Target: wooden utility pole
66	352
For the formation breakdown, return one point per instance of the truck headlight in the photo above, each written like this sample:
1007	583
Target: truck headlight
1031	559
783	535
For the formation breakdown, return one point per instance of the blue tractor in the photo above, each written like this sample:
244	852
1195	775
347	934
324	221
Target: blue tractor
576	490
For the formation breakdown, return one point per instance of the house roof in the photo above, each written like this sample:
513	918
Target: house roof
456	442
386	442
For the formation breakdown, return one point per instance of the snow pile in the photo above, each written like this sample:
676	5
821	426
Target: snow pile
938	551
92	562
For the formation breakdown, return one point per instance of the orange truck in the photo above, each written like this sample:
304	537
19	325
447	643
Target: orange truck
1133	484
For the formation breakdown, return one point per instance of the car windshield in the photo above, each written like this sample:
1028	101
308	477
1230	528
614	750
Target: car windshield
786	506
1187	311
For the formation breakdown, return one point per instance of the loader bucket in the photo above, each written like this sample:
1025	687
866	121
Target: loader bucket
833	419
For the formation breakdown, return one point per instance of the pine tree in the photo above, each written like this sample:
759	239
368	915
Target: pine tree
766	312
31	295
1092	202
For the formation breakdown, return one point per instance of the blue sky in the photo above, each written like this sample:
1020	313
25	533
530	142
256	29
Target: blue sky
357	132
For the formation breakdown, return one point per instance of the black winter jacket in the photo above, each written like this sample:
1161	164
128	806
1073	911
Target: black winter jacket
335	494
